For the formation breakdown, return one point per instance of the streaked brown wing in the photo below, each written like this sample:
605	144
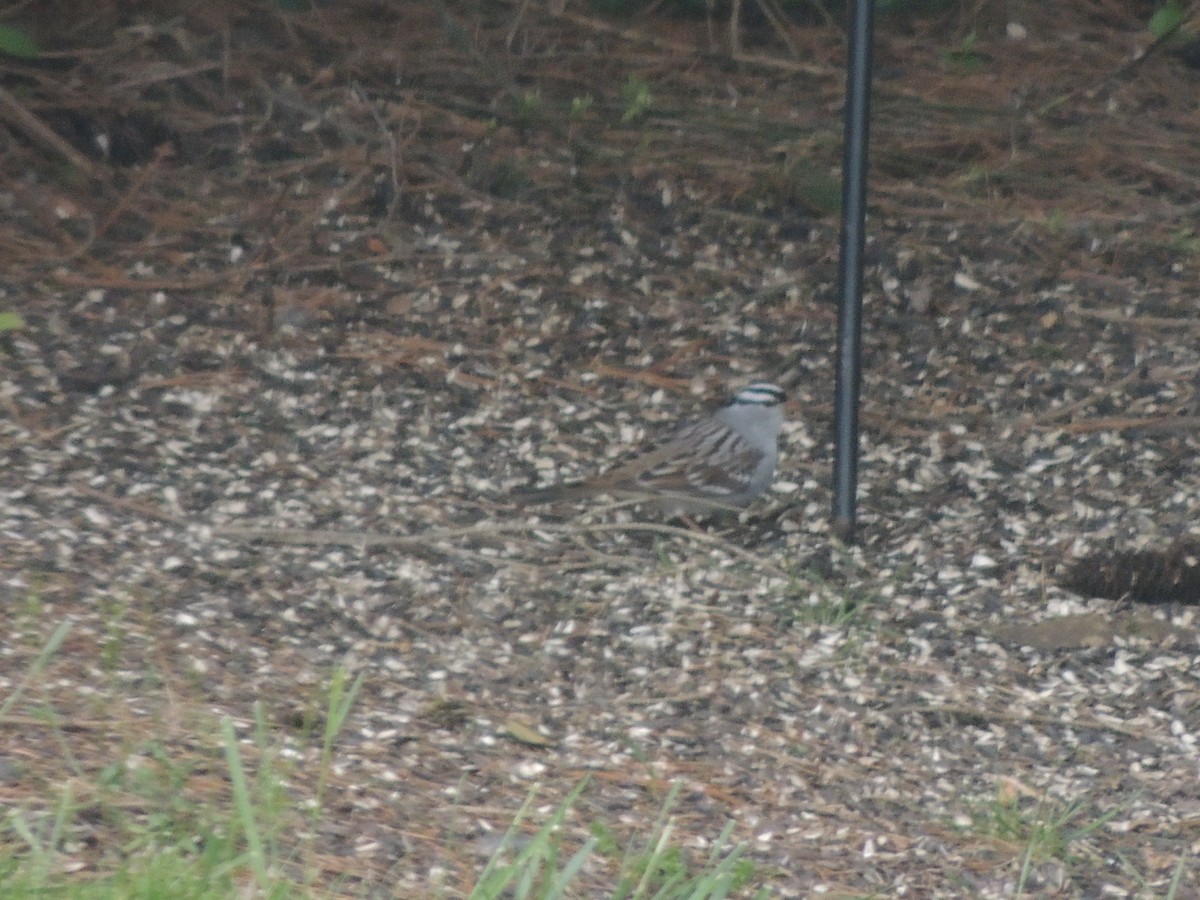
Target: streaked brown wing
727	478
705	458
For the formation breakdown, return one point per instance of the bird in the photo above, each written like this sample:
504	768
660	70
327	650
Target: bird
717	464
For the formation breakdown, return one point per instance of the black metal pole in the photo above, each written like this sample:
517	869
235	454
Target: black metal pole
850	278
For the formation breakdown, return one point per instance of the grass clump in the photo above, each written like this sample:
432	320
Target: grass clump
160	820
653	867
232	815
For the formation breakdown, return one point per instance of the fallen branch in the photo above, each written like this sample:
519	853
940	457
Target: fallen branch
41	133
367	539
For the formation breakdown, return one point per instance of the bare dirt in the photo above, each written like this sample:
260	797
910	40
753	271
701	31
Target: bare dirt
305	294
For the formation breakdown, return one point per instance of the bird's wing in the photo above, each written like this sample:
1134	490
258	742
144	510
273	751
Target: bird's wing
703	459
706	458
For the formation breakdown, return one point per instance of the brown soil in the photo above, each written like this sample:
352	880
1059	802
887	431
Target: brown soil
306	293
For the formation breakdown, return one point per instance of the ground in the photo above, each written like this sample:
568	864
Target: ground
306	294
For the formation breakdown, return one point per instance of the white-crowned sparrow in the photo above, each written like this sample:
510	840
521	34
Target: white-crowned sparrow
719	463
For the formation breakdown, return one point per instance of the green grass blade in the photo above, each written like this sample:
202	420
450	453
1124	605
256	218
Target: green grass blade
1177	877
558	887
39	665
241	796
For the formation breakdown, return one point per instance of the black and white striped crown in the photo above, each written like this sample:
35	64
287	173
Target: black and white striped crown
761	393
